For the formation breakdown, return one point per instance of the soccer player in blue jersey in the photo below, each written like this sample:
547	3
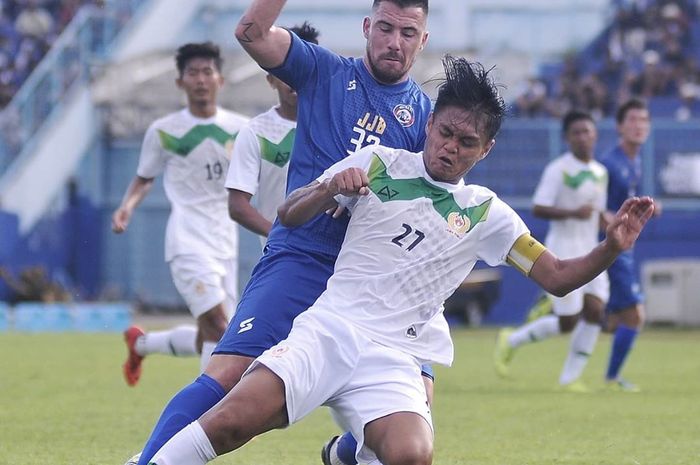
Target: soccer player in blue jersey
625	311
344	104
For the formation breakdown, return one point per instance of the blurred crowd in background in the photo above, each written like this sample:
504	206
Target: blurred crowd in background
27	30
650	49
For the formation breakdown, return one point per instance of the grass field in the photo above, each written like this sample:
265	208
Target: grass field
63	402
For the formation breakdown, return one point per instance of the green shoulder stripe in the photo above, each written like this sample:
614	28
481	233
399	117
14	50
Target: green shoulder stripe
388	189
277	154
576	181
184	145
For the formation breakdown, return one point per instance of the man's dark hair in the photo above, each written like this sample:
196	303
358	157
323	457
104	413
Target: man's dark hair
572	116
631	104
423	4
468	86
200	50
306	32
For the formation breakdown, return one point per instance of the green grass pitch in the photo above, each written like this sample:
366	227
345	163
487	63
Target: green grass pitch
63	402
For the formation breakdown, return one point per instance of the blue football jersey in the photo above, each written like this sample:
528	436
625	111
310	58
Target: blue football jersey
624	177
341	108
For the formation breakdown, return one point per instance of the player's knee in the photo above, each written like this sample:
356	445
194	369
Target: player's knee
567	323
212	324
227	369
414	452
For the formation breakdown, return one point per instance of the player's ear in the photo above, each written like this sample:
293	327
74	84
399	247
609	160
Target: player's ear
487	148
366	23
429	124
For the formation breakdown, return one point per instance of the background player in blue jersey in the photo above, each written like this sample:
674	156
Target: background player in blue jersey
625	310
343	105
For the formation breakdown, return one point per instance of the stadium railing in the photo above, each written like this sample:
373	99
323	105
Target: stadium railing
70	61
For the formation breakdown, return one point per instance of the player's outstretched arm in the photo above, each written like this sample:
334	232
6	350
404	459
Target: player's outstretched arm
135	193
308	201
559	277
264	42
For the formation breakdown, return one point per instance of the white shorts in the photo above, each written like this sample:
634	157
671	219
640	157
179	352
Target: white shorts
204	282
572	303
327	361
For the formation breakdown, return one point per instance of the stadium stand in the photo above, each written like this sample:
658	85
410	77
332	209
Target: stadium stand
650	49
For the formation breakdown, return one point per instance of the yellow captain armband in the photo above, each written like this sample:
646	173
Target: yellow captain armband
525	253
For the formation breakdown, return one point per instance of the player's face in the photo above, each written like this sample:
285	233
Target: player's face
287	95
634	128
453	145
394	36
581	137
201	81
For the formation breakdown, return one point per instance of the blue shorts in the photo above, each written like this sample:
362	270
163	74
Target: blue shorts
625	290
284	283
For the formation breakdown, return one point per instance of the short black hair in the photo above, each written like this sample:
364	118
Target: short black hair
572	116
632	104
306	32
423	4
469	86
198	50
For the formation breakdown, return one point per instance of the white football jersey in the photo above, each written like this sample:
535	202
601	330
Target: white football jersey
260	160
194	153
410	243
570	183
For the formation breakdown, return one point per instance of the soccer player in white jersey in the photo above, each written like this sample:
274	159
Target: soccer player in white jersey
192	148
261	156
415	233
572	194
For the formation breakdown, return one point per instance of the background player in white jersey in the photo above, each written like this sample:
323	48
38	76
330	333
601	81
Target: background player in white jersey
415	232
572	195
261	156
192	147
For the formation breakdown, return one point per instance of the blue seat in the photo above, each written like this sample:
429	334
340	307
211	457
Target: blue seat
37	317
4	316
101	317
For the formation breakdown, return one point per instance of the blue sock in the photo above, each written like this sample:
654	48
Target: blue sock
623	340
187	405
347	445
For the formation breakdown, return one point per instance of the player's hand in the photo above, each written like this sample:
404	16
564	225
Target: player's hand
349	182
584	212
120	220
336	212
629	221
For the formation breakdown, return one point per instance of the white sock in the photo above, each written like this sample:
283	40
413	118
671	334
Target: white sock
180	341
583	341
542	328
190	446
207	348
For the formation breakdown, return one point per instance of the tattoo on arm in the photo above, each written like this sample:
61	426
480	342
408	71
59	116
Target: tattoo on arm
246	30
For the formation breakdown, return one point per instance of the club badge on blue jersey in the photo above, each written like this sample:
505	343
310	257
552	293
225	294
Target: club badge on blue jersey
404	115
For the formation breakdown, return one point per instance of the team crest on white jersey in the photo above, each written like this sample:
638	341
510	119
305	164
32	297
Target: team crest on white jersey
458	223
404	115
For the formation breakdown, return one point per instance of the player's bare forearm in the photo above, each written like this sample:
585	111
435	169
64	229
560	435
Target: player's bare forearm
559	277
265	43
242	212
555	213
305	203
135	193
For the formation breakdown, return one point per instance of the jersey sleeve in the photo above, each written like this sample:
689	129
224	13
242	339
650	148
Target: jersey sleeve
548	187
304	62
504	229
360	159
244	168
152	159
